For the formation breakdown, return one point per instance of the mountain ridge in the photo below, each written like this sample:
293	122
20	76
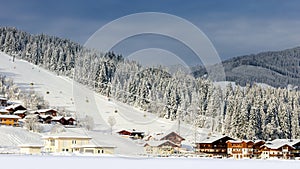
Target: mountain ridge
275	68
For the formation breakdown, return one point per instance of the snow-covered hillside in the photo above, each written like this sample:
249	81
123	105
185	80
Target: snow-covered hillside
11	137
81	99
63	92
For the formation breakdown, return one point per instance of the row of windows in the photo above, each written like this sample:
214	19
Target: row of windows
65	143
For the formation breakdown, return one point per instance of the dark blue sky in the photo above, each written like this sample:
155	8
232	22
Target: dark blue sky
235	27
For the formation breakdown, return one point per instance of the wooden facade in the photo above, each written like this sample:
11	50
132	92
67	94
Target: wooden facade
9	120
45	119
132	134
213	146
3	101
162	148
296	151
4	112
240	149
256	148
15	107
173	137
277	152
50	112
21	113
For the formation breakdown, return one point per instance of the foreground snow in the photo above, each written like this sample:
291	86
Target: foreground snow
75	162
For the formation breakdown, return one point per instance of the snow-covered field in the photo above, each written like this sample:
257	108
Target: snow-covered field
11	137
75	162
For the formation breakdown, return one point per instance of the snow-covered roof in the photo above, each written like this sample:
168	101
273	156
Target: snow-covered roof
69	133
68	118
94	144
290	142
10	116
20	111
257	141
166	134
158	143
14	106
4	111
45	116
57	118
3	98
212	139
44	110
240	141
31	116
31	146
278	143
155	136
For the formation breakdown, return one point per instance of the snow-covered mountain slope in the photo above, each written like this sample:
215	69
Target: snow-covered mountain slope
62	91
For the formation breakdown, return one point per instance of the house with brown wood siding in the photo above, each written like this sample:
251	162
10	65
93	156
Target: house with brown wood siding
240	149
213	146
277	149
161	148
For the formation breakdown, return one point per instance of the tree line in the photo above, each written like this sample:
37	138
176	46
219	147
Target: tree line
251	112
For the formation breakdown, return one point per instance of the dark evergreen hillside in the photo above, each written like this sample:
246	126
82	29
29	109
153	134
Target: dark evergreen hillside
250	112
278	69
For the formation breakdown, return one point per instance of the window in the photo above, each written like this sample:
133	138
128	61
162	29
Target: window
52	142
73	141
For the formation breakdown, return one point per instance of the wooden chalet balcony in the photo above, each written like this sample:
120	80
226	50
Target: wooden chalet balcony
295	151
213	150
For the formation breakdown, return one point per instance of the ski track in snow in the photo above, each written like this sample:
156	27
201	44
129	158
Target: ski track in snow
63	92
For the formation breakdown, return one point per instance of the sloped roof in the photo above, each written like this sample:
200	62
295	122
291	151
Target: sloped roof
159	143
240	141
277	143
14	106
10	116
257	141
44	116
31	146
167	134
94	144
69	133
213	138
68	118
4	111
20	111
3	98
44	110
57	118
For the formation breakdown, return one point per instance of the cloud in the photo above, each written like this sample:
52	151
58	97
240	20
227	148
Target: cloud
235	27
240	37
